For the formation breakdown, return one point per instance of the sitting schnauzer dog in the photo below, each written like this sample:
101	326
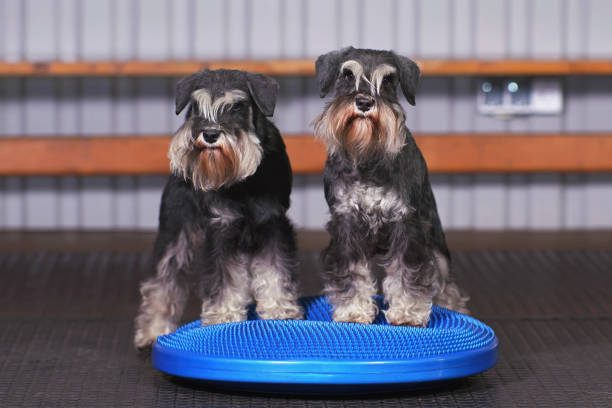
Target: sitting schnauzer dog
376	185
223	229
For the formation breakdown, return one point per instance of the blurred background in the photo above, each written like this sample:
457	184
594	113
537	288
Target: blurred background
513	114
88	105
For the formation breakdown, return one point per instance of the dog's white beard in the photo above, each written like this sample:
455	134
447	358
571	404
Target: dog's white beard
236	158
384	133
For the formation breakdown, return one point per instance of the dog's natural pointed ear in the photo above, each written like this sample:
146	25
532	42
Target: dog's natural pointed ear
263	90
184	88
327	66
409	74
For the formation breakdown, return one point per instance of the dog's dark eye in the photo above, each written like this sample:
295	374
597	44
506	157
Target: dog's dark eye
238	106
388	79
348	74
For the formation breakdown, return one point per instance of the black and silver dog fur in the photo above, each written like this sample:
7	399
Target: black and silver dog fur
223	230
382	207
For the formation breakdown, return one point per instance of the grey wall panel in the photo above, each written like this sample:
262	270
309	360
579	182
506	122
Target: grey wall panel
317	212
180	37
124	203
13	122
547	18
574	109
574	201
519	28
378	24
292	39
598	201
598	105
149	189
599	35
320	27
265	23
289	114
407	25
67	106
40	30
209	38
462	108
575	29
153	30
517	205
96	106
40	106
68	202
2	29
238	24
13	203
545	123
13	36
489	201
152	106
434	29
490	26
67	34
461	28
41	204
350	27
434	105
126	26
95	29
124	106
462	192
96	200
545	210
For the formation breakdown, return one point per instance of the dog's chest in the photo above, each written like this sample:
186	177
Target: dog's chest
374	204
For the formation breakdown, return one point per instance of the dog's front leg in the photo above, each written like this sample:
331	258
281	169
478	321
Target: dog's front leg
163	296
273	272
225	290
348	278
409	283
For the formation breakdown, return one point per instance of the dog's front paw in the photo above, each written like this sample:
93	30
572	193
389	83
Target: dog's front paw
145	336
210	318
284	311
417	315
355	312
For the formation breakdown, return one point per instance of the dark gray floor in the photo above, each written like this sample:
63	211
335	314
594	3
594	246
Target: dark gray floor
66	322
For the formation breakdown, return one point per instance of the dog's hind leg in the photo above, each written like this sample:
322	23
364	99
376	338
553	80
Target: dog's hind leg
163	296
449	295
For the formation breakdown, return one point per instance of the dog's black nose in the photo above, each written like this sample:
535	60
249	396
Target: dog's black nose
364	103
211	135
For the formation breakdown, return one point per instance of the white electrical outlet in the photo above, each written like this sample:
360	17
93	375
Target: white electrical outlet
520	96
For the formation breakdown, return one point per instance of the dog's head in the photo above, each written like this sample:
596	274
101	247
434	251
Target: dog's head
219	144
364	120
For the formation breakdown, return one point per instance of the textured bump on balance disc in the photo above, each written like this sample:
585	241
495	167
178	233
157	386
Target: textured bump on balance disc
318	351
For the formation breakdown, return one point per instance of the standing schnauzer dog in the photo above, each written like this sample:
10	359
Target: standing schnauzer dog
223	231
377	188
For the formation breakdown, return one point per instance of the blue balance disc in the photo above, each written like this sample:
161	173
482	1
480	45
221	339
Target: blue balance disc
317	355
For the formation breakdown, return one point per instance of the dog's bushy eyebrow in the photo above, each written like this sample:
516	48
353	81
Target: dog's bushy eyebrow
356	68
378	75
210	109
